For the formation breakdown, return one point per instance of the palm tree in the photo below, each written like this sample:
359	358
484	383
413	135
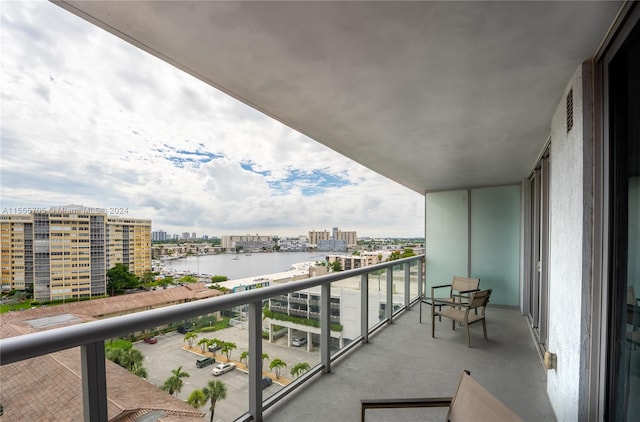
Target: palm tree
243	356
134	362
299	369
214	391
203	343
217	343
130	359
264	357
197	399
173	384
227	347
277	364
190	337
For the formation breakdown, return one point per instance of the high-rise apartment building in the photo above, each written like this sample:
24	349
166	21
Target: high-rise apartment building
16	237
129	243
66	252
158	235
316	237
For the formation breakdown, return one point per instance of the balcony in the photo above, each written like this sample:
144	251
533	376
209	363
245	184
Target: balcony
400	359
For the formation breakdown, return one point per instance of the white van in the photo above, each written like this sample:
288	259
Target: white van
298	341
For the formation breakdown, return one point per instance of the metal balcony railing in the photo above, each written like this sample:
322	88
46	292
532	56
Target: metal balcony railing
91	336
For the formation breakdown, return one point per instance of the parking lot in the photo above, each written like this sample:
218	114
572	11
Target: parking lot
167	354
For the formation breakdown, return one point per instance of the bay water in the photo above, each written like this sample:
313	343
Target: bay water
236	266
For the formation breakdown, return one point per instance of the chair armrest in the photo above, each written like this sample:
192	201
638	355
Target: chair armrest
437	287
403	403
463	294
469	291
440	300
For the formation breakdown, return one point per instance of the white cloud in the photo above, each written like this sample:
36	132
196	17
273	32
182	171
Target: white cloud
87	118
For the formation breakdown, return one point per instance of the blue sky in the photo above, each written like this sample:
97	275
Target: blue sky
88	119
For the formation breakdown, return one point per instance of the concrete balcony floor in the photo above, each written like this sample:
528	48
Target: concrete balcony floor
402	360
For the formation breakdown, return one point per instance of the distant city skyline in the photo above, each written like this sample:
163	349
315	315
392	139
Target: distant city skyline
89	119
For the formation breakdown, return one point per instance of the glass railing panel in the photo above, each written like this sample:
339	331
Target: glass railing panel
345	320
207	348
398	287
377	297
413	280
290	339
180	344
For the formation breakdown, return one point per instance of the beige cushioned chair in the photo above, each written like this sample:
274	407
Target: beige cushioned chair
471	402
459	291
461	313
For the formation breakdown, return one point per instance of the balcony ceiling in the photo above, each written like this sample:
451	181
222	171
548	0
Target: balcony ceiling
433	95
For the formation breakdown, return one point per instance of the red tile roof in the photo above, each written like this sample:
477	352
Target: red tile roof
49	387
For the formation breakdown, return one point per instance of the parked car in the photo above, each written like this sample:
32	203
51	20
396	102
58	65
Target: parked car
266	381
213	348
298	341
223	368
202	362
150	340
182	329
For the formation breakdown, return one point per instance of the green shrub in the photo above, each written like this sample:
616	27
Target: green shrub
118	344
297	320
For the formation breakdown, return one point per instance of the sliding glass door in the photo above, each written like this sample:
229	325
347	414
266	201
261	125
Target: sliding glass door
537	249
622	106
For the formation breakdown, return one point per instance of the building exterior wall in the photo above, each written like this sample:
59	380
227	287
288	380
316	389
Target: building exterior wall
69	255
568	265
300	243
350	262
159	236
13	231
247	242
316	236
66	253
350	236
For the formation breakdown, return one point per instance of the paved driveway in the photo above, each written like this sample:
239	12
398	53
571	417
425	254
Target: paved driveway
167	354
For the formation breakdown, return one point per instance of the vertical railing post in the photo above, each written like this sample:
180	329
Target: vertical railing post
325	326
420	279
389	307
255	360
364	307
407	284
94	382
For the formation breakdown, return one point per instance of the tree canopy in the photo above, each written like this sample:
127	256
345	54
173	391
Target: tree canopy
276	365
299	369
120	278
190	338
226	348
174	383
196	399
214	391
130	359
